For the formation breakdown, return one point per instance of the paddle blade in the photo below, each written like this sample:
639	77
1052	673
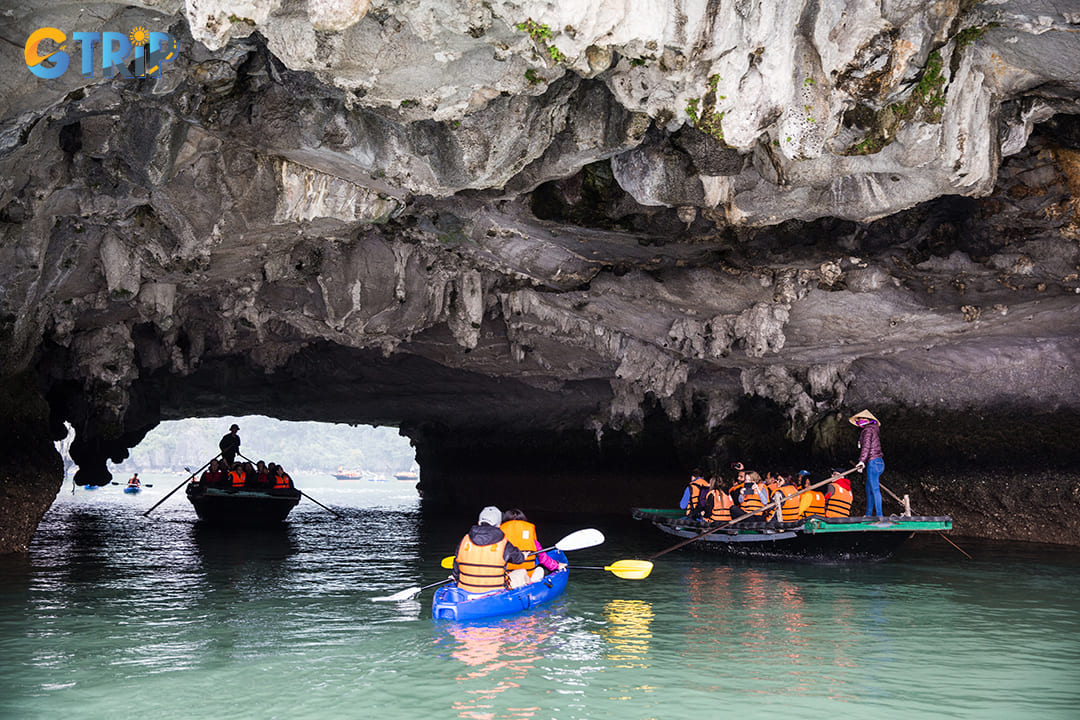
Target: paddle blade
406	594
448	562
630	569
580	539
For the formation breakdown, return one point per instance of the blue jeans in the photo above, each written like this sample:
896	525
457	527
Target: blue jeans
874	468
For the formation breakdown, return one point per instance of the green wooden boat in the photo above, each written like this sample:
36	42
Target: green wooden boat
815	538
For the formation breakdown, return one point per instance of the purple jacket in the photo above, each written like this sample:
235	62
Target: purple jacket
870	443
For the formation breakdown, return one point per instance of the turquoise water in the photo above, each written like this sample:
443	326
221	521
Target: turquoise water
113	615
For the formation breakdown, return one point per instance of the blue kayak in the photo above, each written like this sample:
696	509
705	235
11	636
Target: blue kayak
132	489
452	603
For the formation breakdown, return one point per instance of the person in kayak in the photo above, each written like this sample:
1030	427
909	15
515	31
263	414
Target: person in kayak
482	555
133	481
522	534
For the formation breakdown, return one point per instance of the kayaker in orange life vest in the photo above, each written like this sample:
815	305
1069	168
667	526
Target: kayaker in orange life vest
522	534
480	563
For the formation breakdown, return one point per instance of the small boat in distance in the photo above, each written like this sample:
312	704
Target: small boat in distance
452	603
407	476
343	474
818	539
132	489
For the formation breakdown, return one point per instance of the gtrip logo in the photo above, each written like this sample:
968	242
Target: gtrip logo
148	51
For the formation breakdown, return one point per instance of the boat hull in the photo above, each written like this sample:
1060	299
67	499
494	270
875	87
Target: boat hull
813	539
452	603
242	507
132	490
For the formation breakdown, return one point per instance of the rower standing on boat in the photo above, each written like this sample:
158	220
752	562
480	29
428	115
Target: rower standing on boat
230	445
482	555
871	458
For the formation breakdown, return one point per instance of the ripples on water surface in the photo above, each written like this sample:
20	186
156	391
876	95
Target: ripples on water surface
112	615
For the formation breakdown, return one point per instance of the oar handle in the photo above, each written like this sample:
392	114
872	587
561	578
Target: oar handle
940	534
298	490
182	484
317	502
775	503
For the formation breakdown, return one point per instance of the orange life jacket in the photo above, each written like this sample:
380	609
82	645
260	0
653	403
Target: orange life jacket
817	504
698	487
721	506
522	535
282	481
481	568
839	502
237	478
789	509
751	503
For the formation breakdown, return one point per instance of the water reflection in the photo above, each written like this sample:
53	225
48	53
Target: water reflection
502	653
628	632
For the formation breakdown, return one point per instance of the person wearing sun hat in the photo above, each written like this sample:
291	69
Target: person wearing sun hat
871	458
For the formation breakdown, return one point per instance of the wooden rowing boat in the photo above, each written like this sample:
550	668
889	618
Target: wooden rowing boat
228	506
815	538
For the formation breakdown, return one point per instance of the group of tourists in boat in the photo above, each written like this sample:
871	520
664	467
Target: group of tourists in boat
712	501
790	496
246	476
792	516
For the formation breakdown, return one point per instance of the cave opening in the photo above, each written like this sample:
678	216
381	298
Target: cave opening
316	454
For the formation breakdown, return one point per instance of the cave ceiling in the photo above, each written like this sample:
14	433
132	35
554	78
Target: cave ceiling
567	214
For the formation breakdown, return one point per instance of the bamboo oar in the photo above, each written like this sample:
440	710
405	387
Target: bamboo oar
775	503
182	484
297	490
940	534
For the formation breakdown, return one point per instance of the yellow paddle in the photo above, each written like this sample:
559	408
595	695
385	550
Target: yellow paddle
625	569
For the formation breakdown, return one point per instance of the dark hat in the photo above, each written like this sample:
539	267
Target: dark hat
234	427
804	472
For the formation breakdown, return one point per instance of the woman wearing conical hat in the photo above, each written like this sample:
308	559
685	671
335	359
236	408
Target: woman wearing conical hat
870	458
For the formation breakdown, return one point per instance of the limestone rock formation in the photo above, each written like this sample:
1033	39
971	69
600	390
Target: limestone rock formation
590	242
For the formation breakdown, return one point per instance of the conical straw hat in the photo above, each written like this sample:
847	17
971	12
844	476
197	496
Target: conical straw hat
864	414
